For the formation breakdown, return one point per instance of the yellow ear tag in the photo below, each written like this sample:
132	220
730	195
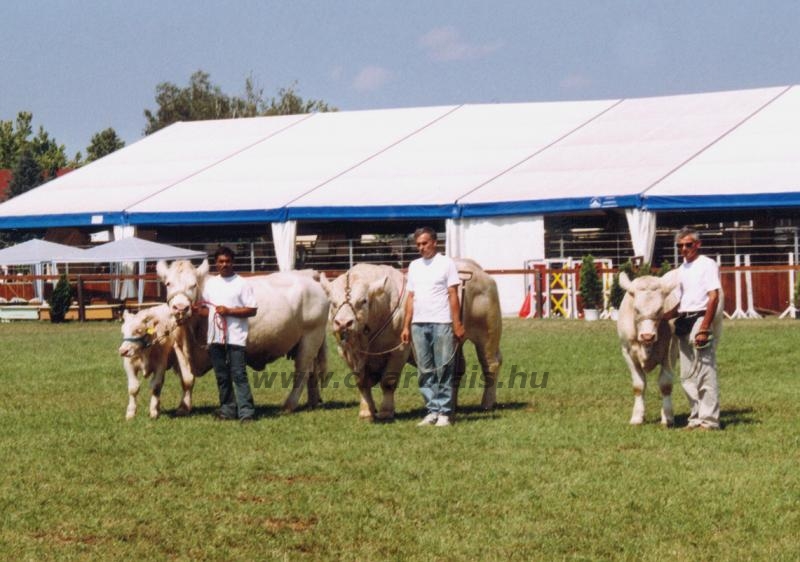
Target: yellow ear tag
151	331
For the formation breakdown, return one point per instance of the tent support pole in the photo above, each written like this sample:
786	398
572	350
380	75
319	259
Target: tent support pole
81	308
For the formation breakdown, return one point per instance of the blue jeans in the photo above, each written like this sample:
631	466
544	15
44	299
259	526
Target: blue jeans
435	350
235	397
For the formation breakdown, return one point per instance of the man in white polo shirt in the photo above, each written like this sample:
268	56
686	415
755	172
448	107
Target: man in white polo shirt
433	322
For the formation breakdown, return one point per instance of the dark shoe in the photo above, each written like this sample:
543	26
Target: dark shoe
219	416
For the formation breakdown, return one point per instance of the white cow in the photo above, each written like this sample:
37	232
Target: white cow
367	312
147	349
647	339
291	319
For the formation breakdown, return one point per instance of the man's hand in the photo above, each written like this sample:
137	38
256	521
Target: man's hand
405	336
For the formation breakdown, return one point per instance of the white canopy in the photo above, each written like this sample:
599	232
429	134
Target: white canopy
135	249
37	251
124	251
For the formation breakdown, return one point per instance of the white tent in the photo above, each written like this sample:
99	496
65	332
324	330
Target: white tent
136	249
125	251
39	253
490	171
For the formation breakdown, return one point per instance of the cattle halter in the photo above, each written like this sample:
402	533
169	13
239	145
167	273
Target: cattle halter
379	331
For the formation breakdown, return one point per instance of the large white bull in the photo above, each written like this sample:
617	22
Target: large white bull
291	319
647	339
366	316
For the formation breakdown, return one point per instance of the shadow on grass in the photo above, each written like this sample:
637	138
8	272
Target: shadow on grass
472	412
268	410
731	417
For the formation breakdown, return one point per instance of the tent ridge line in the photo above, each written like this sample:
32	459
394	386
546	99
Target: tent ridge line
221	160
542	149
376	154
703	149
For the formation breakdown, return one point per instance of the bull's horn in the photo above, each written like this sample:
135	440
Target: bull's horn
161	269
202	269
624	282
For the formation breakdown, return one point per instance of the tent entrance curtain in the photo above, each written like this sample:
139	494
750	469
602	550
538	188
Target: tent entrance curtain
642	225
283	237
499	243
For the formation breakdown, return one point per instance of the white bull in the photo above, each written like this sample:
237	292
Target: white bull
647	339
367	312
147	349
291	319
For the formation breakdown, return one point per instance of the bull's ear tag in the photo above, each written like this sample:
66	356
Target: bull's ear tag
151	331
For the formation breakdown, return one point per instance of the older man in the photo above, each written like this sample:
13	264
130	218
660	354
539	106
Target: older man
700	296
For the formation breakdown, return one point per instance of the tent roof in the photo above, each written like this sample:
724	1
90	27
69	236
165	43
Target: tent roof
135	249
38	251
719	149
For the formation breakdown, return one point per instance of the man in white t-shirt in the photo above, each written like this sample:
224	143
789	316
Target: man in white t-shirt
433	322
700	296
228	301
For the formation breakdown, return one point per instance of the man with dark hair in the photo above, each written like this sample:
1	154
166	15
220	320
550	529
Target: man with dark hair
433	322
696	313
229	302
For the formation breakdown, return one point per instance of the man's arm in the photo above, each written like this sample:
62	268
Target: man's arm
704	332
405	335
237	311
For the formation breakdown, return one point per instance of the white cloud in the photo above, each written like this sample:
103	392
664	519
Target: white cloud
445	44
371	78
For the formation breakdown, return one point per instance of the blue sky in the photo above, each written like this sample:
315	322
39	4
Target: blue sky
81	67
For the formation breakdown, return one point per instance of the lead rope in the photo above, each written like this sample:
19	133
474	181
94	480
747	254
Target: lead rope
220	323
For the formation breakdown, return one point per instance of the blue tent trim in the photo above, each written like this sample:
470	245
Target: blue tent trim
71	219
539	206
374	212
720	202
208	217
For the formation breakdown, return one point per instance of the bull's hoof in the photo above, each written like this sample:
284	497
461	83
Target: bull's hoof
385	417
636	421
182	412
668	423
130	415
154	414
366	417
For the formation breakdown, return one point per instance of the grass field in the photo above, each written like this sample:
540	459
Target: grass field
554	473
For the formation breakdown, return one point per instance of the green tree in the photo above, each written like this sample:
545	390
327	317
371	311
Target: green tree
202	99
591	286
13	138
50	155
60	299
15	141
25	175
103	143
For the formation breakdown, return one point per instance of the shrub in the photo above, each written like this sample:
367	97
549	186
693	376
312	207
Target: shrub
591	285
665	268
60	299
618	293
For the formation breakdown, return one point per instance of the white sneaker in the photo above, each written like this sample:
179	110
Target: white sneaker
443	421
430	419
